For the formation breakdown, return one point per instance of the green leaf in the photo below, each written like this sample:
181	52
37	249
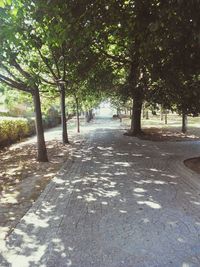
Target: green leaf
14	11
2	4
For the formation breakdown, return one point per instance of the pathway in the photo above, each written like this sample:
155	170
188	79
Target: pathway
118	202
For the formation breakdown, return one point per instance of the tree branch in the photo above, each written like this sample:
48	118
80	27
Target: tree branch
64	64
14	84
22	71
56	63
48	82
47	65
117	59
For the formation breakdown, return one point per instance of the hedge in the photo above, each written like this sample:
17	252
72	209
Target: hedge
14	129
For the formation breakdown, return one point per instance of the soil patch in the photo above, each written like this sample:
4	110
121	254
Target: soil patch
22	179
155	134
193	164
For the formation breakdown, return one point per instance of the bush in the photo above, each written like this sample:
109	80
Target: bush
49	122
13	129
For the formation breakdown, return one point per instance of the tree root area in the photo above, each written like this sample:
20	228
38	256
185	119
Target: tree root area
193	164
155	134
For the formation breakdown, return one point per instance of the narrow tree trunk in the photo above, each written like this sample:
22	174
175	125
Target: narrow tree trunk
184	122
41	146
130	111
87	118
136	116
143	111
77	115
161	113
147	115
63	115
90	114
165	117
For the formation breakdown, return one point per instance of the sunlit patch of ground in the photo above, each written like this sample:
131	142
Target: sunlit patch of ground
156	134
22	178
156	130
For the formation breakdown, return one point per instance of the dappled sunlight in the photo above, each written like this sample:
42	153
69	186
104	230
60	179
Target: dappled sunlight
111	195
150	204
139	190
9	198
123	164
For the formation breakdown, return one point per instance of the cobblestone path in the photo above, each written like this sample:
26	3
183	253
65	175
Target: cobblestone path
118	202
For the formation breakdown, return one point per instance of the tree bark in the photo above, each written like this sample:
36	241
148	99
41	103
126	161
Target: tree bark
77	115
41	146
147	115
184	122
136	116
86	116
89	115
143	111
65	139
165	117
161	113
130	112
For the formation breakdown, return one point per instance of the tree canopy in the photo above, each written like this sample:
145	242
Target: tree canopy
130	50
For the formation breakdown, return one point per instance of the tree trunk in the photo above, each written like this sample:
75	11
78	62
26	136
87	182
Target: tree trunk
41	146
143	111
89	115
147	115
63	115
136	116
161	113
77	115
165	117
130	112
184	122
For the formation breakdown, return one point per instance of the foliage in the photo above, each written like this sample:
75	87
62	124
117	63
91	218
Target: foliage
12	129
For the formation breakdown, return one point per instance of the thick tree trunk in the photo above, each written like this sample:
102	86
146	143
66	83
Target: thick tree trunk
136	116
77	115
184	122
41	146
65	139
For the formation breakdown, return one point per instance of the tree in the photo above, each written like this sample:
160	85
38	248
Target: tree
176	57
17	70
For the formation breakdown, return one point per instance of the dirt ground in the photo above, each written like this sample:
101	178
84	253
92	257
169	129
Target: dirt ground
155	130
193	164
22	178
156	134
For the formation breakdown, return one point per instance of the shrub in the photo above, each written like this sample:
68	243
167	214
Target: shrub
13	129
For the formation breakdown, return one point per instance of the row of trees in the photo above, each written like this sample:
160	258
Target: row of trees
135	50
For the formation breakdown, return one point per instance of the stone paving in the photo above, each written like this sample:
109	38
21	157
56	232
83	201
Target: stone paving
118	202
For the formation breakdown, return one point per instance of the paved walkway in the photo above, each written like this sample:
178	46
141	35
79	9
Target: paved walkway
118	202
